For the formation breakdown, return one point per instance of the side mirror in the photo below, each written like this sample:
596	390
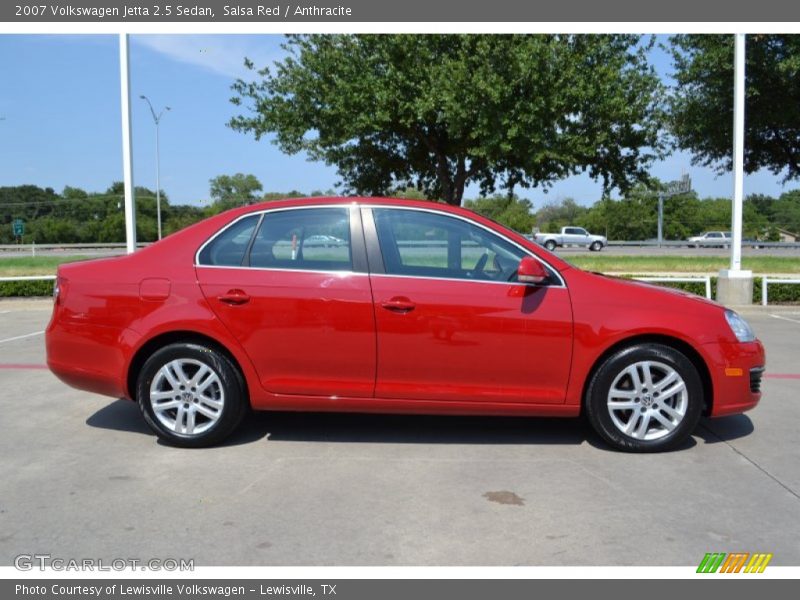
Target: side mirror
530	270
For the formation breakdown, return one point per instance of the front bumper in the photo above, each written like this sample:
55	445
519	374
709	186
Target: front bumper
736	369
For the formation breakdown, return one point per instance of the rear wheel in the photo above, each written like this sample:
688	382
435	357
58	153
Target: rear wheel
191	395
645	398
550	245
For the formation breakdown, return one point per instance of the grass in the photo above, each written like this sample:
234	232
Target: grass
41	265
605	263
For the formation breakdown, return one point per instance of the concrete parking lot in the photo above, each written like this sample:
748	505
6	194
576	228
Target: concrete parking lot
83	477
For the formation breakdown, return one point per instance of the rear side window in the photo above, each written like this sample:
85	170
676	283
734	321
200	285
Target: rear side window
314	239
228	248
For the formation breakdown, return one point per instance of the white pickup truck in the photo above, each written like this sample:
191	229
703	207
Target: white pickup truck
572	236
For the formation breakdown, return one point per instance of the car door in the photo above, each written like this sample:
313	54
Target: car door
302	311
578	236
581	236
452	322
572	236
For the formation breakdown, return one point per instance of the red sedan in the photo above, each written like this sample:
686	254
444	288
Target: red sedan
417	308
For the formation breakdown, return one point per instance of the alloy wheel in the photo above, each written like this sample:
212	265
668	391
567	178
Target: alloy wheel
187	396
647	400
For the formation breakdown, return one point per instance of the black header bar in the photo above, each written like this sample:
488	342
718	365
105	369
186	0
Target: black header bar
413	11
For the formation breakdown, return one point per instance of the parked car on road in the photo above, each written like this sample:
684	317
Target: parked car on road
711	239
329	241
571	236
425	308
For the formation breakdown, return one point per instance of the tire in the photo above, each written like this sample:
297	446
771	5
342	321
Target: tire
197	415
596	247
660	422
550	245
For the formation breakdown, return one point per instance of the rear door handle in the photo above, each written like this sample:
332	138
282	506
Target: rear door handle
399	304
234	298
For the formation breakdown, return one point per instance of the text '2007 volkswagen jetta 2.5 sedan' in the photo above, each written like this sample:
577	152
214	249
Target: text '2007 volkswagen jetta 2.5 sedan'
417	307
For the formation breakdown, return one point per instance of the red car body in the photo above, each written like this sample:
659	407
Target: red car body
345	341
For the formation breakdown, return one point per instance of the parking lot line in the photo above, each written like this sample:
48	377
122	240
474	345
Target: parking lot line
785	318
20	337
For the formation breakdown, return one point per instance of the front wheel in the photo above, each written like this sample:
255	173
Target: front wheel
596	246
191	395
550	245
645	398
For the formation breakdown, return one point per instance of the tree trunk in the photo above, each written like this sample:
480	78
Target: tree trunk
449	192
460	181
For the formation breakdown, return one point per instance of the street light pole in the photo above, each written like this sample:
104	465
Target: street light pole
738	152
127	143
157	121
735	285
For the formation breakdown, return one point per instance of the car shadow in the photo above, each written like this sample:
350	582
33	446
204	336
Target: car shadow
708	431
120	415
724	429
123	415
408	429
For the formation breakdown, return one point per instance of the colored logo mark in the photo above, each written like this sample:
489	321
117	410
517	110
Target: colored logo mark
736	562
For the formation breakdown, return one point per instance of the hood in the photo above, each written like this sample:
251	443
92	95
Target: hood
656	292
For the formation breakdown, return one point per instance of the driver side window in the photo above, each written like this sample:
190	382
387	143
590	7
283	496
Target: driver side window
424	244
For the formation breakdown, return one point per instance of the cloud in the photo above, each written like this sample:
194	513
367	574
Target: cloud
220	54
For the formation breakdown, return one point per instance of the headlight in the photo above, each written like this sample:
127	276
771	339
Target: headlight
741	329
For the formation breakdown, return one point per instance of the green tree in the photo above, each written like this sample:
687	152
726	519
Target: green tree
763	204
71	193
438	112
555	215
786	211
512	212
49	230
112	229
271	196
181	215
228	191
410	193
146	214
634	217
702	101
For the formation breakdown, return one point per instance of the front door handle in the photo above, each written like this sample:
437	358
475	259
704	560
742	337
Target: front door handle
234	298
399	304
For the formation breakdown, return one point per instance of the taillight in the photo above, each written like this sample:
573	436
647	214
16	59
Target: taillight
59	289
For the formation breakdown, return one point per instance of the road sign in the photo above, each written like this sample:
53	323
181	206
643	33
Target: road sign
674	188
682	186
19	227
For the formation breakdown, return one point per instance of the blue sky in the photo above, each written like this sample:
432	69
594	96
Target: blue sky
59	102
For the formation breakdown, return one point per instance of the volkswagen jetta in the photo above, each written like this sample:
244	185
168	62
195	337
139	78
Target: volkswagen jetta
418	308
